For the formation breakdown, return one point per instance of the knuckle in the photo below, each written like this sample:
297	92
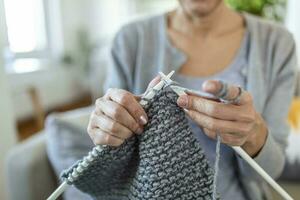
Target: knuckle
98	102
213	110
136	111
106	138
98	139
89	129
109	91
97	112
212	124
133	126
210	133
117	112
245	128
113	127
126	99
94	121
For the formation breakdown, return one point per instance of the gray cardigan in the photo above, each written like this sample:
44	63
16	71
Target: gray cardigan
141	49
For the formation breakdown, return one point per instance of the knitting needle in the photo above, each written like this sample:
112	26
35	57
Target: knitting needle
181	91
58	191
262	172
151	93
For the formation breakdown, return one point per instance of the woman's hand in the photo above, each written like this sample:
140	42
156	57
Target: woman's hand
238	125
117	116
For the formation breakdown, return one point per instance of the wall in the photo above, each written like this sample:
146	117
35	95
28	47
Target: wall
101	19
7	130
56	85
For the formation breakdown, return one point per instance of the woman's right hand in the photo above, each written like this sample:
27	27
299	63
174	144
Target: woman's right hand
117	116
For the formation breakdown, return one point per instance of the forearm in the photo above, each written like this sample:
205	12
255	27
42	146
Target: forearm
270	158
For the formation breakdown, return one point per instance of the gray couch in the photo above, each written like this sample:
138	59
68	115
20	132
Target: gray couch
31	177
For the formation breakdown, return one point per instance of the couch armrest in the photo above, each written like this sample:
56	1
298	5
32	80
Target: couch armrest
29	175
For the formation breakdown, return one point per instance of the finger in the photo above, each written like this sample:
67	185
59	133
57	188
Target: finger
129	102
217	125
150	85
154	82
213	108
211	134
100	137
214	87
232	140
229	139
118	113
112	127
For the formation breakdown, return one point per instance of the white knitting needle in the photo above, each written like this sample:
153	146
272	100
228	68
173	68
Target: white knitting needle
262	172
245	156
151	93
58	191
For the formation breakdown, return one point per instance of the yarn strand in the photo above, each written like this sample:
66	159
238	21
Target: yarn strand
216	167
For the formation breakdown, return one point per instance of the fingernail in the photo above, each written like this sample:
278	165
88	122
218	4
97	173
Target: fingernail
139	131
143	120
182	101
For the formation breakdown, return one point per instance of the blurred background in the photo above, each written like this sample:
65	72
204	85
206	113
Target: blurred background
53	58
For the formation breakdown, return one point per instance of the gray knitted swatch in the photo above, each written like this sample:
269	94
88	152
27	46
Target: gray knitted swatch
165	162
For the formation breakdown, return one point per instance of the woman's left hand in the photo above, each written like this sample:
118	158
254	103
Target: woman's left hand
237	124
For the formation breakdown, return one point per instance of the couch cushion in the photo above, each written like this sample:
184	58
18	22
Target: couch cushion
66	143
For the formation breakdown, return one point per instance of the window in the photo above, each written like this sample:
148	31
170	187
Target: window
29	32
25	22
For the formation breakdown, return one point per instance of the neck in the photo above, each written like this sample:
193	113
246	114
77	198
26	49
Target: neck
214	23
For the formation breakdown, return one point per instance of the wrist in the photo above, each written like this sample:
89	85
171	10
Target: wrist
257	139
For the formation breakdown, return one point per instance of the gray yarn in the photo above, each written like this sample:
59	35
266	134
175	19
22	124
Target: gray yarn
165	162
216	167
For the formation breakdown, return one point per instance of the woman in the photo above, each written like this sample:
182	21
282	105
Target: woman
204	40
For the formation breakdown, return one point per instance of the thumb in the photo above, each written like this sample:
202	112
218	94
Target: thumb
214	87
152	83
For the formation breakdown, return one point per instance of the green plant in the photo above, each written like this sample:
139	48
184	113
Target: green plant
272	9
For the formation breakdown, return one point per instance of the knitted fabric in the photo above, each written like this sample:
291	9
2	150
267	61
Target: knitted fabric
165	162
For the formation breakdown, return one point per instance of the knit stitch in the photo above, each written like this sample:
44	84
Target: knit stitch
165	162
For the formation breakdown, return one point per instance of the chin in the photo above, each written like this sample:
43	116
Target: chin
199	7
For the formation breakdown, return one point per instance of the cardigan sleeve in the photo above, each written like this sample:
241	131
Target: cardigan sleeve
272	156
